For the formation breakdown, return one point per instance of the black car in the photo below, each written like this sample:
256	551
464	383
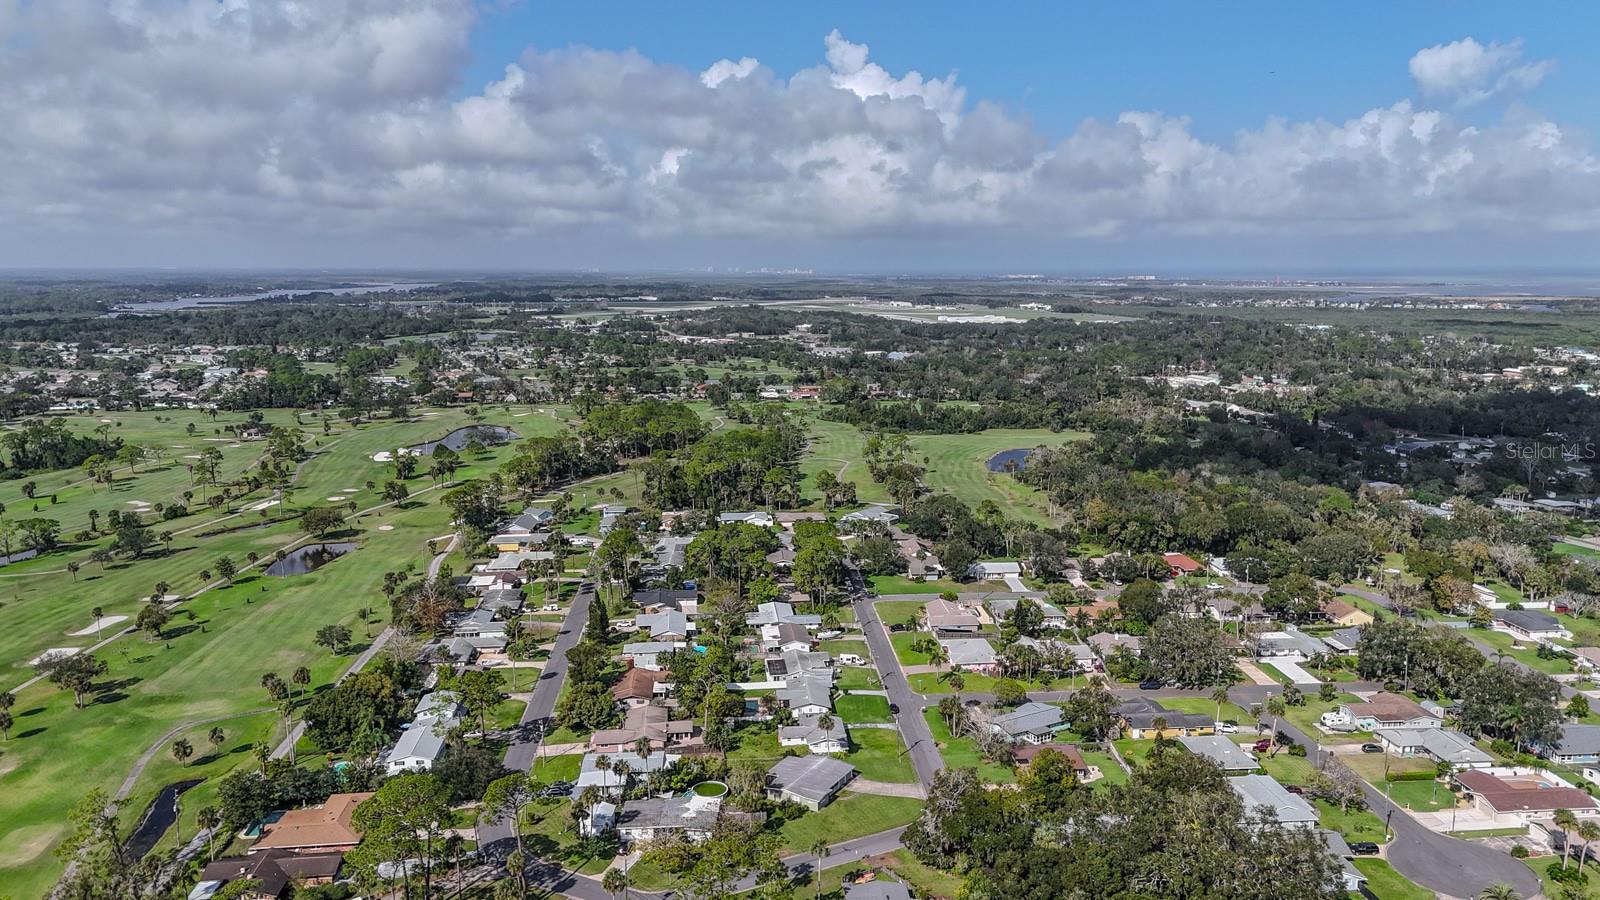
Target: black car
1151	684
894	709
1363	848
1371	748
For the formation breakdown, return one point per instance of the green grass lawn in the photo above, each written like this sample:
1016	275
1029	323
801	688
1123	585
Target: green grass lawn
857	708
1306	715
850	816
880	755
1230	711
962	752
1355	825
902	641
888	585
858	678
550	769
898	612
549	834
1522	651
1112	772
840	647
1287	768
209	666
1387	884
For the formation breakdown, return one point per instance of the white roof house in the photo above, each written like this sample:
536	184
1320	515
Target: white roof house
1264	792
969	653
991	569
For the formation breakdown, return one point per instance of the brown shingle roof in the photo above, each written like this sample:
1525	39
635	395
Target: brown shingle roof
1523	795
637	684
326	825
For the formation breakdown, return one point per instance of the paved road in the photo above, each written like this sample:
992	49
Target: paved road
913	727
523	751
1449	866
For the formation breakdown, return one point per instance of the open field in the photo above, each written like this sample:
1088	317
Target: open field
956	464
207	667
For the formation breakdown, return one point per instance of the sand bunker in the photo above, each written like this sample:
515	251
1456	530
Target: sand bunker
54	651
385	527
99	625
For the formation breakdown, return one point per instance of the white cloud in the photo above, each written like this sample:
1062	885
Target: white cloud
1467	72
342	119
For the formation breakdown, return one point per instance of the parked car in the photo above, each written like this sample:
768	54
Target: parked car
894	709
623	624
1363	848
1225	727
1262	745
1151	684
550	607
1294	789
1371	748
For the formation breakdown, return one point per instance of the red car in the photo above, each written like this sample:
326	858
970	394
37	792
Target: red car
1262	745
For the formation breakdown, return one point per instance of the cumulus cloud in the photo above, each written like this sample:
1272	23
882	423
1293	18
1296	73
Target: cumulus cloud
343	118
1467	72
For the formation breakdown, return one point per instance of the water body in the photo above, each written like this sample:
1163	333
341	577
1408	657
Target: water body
346	291
18	556
459	439
310	558
1009	460
157	818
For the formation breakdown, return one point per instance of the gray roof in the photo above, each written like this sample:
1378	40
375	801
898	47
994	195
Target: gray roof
969	652
812	777
776	611
1108	643
668	621
501	598
1220	750
591	775
877	889
1264	791
1447	746
1528	619
1032	717
669	812
1344	638
1292	638
808	730
807	690
664	597
1579	740
437	705
418	741
1000	607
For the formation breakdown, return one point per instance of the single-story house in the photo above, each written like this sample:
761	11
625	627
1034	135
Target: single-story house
1053	617
808	695
667	625
1530	625
1263	792
792	664
1291	642
760	518
1229	757
1340	851
875	513
993	570
1107	644
662	599
1138	715
1027	753
501	599
637	687
607	780
647	654
1343	641
534	518
651	818
653	722
514	561
1522	795
323	828
811	781
785	636
1383	710
438	705
971	654
1343	612
776	612
1586	657
418	748
1031	723
480	622
942	615
274	872
512	541
669	550
601	819
1435	743
1578	745
808	732
877	889
1179	565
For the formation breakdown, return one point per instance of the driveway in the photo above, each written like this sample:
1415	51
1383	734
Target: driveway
1447	865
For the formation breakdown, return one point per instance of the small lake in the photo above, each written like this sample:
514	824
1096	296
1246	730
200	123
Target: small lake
1009	460
310	558
18	556
157	818
459	439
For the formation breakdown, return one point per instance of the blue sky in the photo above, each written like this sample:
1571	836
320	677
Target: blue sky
1224	65
895	137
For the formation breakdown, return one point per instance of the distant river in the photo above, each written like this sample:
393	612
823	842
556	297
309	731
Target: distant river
350	290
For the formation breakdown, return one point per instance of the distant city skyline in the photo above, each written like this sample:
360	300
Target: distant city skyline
1038	138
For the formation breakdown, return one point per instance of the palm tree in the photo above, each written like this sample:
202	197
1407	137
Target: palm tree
954	678
1275	709
1499	892
97	614
182	750
819	849
208	819
615	882
216	737
1567	822
1589	831
1219	696
301	678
